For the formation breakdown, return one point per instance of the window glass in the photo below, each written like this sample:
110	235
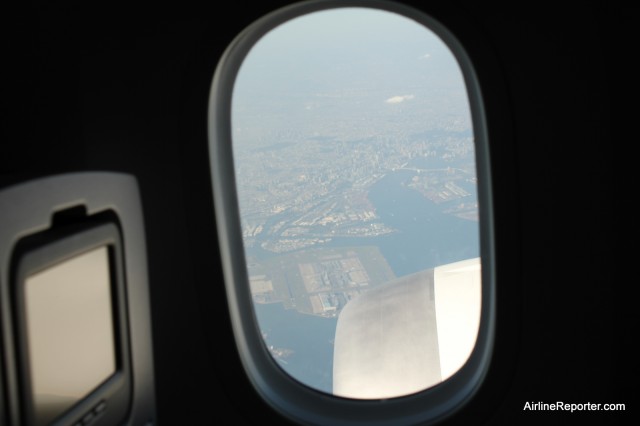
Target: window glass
356	177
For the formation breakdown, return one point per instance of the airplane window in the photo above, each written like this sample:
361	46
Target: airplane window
355	169
351	182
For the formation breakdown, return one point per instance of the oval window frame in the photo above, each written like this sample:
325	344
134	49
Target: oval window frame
289	397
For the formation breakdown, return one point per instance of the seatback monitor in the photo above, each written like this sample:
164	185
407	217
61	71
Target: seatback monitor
71	326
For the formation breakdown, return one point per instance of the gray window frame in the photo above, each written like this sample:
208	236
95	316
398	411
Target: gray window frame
289	397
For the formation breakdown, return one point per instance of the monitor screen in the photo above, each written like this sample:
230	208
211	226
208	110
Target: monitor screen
72	326
69	331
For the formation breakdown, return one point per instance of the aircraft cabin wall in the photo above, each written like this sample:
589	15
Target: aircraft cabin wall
105	87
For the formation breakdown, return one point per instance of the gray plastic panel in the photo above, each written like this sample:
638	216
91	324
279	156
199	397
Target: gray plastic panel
28	208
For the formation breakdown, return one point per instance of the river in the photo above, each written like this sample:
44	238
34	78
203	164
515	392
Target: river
425	238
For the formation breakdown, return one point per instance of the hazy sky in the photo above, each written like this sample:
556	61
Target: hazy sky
347	73
334	51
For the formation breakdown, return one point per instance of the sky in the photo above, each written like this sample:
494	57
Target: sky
346	59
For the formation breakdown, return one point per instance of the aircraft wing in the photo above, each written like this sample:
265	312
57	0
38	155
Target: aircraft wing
408	334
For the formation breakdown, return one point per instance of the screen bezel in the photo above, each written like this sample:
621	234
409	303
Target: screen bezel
41	251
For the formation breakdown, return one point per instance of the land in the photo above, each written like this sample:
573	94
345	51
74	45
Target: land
306	161
296	196
319	281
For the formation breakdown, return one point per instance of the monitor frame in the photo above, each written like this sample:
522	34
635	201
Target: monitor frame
33	206
109	402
